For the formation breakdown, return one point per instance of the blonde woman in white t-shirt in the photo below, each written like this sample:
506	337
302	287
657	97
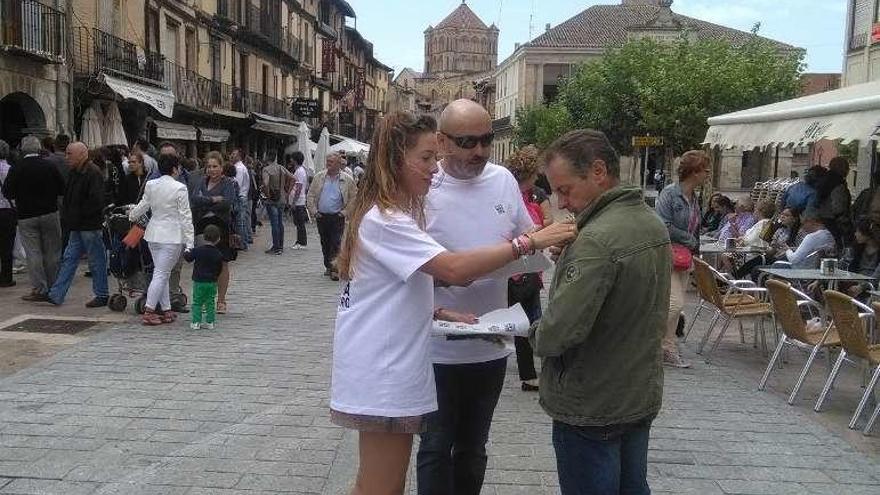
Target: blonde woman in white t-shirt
383	383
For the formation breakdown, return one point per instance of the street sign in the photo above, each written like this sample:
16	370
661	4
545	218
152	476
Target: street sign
647	141
306	108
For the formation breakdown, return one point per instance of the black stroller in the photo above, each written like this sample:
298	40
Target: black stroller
131	267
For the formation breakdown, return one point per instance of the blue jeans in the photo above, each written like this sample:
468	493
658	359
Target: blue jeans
276	220
452	454
602	460
90	242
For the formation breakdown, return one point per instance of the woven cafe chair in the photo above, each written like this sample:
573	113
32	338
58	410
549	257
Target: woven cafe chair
853	329
788	306
708	285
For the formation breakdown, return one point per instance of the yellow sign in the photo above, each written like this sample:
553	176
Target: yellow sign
647	141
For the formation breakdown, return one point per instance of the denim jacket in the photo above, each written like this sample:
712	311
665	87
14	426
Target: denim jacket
675	211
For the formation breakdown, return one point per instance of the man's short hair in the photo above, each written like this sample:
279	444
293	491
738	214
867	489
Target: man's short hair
4	150
168	144
211	234
581	148
30	144
62	141
49	144
271	155
167	164
298	157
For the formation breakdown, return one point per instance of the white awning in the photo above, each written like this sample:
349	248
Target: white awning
170	130
348	145
158	98
851	113
213	135
274	125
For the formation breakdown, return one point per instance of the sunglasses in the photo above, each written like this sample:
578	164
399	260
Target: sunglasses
469	142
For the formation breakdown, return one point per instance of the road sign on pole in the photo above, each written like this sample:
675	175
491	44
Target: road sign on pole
647	141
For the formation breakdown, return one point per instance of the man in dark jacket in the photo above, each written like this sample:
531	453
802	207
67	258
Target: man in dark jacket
84	203
34	185
602	377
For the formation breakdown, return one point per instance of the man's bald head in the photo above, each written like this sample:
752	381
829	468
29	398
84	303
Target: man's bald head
77	154
465	117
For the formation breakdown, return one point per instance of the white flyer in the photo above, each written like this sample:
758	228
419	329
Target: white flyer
510	322
533	263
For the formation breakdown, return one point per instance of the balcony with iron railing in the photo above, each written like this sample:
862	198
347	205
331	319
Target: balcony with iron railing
95	51
190	88
227	97
32	29
858	41
290	44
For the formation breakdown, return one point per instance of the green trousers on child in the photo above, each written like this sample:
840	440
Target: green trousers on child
204	297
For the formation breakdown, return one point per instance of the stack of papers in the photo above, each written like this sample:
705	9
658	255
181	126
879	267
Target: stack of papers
509	322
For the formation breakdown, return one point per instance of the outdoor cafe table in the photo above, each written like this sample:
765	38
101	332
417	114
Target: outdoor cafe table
810	274
719	248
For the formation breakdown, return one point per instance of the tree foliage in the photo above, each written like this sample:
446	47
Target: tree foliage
665	89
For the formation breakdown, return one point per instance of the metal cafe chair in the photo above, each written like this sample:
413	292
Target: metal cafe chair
708	285
853	328
789	305
729	300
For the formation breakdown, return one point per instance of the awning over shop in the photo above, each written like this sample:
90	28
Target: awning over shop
158	98
213	135
170	130
848	114
274	125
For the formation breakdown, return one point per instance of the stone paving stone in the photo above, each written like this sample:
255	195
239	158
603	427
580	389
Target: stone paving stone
244	410
47	487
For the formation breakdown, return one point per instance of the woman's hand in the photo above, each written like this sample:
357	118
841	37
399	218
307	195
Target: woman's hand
557	234
455	316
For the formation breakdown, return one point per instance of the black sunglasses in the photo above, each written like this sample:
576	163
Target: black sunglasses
469	142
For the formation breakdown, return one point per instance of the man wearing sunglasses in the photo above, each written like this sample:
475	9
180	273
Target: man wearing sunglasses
472	203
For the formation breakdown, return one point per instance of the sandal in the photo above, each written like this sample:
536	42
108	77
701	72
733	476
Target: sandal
169	317
151	318
221	308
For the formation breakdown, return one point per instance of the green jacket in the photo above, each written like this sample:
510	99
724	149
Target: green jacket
600	334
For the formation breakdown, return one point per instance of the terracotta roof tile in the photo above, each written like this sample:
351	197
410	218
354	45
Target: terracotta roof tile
601	26
462	17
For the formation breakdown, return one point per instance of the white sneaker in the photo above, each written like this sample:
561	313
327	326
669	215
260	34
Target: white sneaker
298	247
19	269
208	326
193	326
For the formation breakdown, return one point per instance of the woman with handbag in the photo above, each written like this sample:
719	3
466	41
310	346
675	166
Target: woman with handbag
678	207
170	230
525	288
213	200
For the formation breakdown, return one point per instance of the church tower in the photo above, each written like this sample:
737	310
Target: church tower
460	44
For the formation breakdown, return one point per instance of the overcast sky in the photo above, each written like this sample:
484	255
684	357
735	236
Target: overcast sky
396	27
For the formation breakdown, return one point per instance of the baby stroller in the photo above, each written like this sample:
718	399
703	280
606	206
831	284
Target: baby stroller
131	267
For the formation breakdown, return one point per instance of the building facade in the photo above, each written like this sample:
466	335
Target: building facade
205	74
460	53
34	87
533	74
862	44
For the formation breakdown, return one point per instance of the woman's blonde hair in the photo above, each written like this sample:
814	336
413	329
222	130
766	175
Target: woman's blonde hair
524	163
215	155
382	185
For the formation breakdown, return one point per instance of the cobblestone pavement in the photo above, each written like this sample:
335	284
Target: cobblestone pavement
243	410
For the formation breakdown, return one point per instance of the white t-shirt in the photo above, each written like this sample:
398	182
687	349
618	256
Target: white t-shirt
301	177
381	365
468	214
243	177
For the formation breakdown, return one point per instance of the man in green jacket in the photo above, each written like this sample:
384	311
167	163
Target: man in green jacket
602	376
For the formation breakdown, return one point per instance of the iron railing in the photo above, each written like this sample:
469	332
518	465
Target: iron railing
190	88
30	27
96	51
290	44
227	97
858	41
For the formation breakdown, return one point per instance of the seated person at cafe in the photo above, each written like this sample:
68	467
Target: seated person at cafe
864	259
739	221
784	233
817	244
720	207
754	236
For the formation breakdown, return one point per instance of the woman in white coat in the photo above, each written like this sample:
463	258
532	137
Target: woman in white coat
169	231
